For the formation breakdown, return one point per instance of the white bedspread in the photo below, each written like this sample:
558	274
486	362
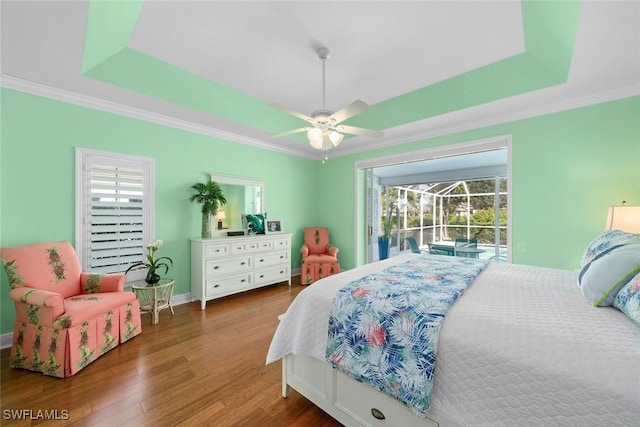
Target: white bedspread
520	347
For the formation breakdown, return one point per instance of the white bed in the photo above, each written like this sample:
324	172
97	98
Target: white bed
521	346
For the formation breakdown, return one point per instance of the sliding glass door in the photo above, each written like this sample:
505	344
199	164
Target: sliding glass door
437	200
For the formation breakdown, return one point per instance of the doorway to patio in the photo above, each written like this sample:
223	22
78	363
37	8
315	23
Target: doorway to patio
455	192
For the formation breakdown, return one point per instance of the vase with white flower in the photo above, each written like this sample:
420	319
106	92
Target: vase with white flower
153	265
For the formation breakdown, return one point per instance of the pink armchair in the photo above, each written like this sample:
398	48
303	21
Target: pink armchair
319	257
65	319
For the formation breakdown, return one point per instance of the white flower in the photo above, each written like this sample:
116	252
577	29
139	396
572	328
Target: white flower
152	247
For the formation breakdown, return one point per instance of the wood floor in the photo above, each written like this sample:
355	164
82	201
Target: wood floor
195	368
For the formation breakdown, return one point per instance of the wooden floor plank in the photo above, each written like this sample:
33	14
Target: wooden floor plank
194	368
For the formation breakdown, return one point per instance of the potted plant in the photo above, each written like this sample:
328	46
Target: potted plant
152	264
210	196
383	239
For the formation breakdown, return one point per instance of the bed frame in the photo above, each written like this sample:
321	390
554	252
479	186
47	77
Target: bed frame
352	403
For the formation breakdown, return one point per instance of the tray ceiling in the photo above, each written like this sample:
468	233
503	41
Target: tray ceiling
425	67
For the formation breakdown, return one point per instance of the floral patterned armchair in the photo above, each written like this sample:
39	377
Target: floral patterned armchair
319	257
65	319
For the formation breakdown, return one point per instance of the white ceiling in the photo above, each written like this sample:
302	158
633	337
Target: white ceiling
267	50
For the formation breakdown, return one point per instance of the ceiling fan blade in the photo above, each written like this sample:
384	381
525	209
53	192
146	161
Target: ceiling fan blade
293	113
352	130
289	132
356	107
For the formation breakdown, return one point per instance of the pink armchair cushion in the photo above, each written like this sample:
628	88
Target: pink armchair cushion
47	266
320	258
83	308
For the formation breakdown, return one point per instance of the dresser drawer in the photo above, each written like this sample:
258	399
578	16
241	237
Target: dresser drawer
217	267
257	245
271	258
216	250
272	275
240	248
228	284
360	402
281	243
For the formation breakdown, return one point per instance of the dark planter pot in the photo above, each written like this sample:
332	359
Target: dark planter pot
152	278
383	247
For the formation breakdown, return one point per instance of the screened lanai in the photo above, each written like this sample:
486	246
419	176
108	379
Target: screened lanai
436	214
439	200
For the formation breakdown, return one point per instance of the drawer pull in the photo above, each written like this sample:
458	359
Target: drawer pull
216	286
262	260
243	280
377	414
281	272
261	276
216	267
242	263
217	250
281	256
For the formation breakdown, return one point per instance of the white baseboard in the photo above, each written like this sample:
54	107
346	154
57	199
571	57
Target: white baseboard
6	340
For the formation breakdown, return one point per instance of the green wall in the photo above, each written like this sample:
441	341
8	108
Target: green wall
567	169
37	177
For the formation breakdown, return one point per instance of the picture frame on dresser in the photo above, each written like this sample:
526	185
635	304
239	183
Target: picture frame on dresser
273	226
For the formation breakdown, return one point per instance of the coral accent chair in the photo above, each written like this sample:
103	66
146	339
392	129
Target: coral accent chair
319	257
65	319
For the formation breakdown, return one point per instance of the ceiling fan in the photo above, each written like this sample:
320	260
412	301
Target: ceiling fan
326	131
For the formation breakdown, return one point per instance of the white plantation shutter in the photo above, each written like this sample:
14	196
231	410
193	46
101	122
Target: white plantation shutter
114	204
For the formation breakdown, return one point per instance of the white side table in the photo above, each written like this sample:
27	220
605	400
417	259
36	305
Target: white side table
155	297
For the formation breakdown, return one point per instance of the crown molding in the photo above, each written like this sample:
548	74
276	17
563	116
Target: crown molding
599	98
39	89
34	88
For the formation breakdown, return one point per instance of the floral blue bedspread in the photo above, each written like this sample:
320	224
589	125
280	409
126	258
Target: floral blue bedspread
384	328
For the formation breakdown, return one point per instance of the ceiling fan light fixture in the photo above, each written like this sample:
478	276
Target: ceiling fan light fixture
317	144
314	135
335	138
326	132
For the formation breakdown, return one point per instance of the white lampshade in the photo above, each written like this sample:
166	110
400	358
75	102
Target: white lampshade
324	140
314	134
221	215
335	137
317	144
624	218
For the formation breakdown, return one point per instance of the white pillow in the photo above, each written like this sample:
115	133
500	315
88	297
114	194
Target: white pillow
603	277
606	242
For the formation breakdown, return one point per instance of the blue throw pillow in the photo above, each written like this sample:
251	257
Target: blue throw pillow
628	299
604	276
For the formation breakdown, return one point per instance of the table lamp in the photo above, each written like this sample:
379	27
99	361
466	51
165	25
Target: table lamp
220	217
624	218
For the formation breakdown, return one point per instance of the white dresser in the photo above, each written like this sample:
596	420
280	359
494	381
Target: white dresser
223	266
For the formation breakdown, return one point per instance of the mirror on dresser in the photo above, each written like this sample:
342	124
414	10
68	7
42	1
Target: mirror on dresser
244	196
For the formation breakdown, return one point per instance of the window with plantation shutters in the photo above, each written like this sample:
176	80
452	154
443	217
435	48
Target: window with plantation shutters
114	203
